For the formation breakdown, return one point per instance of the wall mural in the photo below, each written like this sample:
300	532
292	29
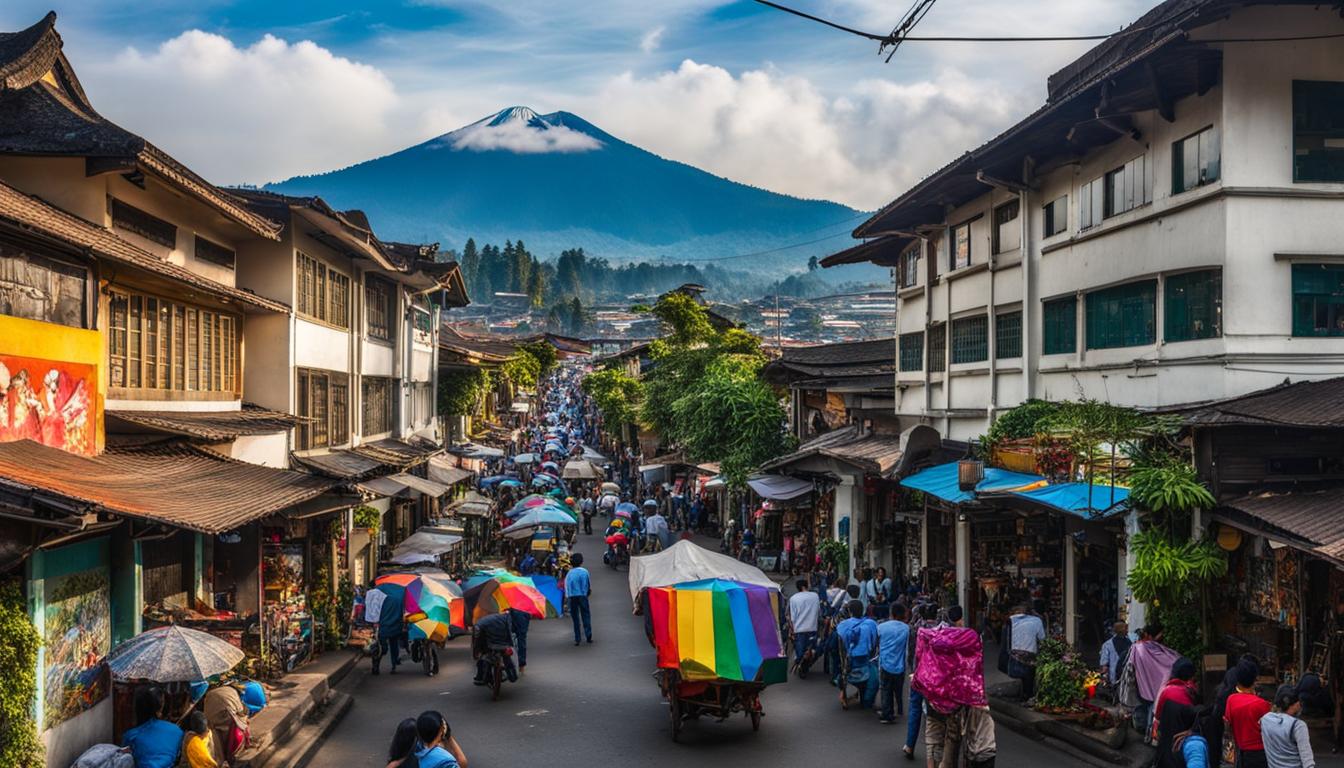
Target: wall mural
78	637
50	402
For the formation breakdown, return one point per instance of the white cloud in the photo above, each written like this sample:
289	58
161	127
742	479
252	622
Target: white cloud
522	138
652	39
264	112
781	132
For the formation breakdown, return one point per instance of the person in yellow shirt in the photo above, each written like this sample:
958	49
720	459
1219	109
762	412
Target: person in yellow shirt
196	748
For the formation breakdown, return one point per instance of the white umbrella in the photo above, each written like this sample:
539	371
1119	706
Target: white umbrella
172	654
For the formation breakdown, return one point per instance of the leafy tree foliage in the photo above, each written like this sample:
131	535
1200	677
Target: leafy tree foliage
461	391
617	396
19	644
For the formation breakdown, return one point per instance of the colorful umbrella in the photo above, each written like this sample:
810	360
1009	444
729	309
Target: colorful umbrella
511	483
497	590
543	480
717	629
525	458
433	604
531	502
550	465
549	587
536	518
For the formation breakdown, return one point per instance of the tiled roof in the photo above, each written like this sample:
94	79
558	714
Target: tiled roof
36	215
495	349
343	465
1312	516
208	425
1301	404
874	454
843	353
396	453
28	54
177	485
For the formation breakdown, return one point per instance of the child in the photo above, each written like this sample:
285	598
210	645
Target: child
197	745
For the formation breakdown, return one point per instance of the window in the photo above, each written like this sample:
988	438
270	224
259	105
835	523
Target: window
1090	204
323	397
378	309
1059	326
1008	335
909	267
422	402
324	293
1195	161
938	348
1192	305
959	246
1318	131
35	287
155	343
1127	187
970	339
1123	316
1318	299
424	323
148	226
1007	231
378	404
1056	215
214	253
912	351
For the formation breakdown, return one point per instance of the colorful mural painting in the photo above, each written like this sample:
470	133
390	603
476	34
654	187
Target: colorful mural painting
78	636
50	402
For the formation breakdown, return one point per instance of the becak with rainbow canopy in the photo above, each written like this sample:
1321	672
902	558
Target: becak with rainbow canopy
717	629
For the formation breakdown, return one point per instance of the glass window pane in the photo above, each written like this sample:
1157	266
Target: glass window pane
1008	335
912	351
1059	326
1318	300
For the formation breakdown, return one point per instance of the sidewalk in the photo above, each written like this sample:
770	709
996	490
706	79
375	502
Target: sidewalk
304	706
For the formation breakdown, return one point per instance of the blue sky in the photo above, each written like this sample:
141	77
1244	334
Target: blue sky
259	90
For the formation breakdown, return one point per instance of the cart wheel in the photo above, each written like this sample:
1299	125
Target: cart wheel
675	705
755	720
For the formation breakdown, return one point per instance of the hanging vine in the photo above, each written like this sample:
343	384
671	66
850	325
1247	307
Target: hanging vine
19	644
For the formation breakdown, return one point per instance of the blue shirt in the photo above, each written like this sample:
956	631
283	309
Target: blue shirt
860	636
438	757
892	639
154	743
576	583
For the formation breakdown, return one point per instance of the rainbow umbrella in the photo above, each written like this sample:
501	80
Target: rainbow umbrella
715	629
496	590
532	503
432	603
550	587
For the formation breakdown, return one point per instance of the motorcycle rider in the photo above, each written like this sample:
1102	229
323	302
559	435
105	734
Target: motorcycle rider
493	633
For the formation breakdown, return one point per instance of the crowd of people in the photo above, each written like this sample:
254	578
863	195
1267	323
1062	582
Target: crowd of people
215	727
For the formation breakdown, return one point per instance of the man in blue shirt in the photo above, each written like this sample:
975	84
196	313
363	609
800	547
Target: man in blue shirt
154	743
893	640
438	748
859	634
578	588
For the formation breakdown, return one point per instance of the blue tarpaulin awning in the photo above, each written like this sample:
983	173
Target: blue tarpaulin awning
1079	498
942	481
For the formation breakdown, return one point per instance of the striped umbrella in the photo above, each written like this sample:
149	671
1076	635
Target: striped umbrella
433	604
172	654
497	590
715	629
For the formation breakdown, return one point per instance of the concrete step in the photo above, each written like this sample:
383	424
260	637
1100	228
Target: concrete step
294	698
303	744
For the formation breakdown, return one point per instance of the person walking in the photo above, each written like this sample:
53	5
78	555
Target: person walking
928	613
1190	742
893	641
1287	744
1115	651
1168	718
859	634
1242	713
391	625
578	588
1151	662
804	612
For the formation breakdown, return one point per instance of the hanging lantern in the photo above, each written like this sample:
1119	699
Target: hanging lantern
969	474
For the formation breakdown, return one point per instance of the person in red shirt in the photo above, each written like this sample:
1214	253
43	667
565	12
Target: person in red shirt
1179	690
1242	714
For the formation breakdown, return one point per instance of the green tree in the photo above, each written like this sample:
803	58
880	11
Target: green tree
471	266
733	417
617	396
461	391
522	369
685	320
543	353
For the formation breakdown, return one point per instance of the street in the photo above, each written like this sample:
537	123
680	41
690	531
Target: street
598	703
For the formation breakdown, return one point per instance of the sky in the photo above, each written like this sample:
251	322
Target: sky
251	91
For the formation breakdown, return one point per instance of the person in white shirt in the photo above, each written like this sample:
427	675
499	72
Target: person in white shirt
804	611
1025	635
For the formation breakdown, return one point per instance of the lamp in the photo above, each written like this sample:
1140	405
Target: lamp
969	474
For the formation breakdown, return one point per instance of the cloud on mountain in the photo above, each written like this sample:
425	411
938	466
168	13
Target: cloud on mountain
522	137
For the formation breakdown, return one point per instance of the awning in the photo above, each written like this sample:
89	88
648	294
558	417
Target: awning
1081	499
593	456
424	546
715	482
385	486
175	484
942	481
341	464
471	505
779	487
578	469
442	470
427	487
1308	520
477	451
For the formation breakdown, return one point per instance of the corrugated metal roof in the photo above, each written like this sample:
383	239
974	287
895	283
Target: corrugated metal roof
396	453
208	425
875	454
340	464
179	485
1300	404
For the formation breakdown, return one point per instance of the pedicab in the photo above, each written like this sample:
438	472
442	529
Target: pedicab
717	635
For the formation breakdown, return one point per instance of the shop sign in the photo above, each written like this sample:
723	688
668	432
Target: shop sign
1038	573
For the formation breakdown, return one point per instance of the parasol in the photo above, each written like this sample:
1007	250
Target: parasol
626	509
497	590
544	480
531	502
538	517
511	483
433	604
172	654
551	465
578	469
611	488
525	458
717	629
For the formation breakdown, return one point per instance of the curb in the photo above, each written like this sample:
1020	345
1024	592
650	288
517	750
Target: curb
305	742
281	722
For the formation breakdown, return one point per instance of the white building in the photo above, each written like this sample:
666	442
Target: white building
1165	229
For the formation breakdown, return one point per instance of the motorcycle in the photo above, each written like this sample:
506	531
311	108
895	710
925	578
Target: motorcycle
497	668
619	554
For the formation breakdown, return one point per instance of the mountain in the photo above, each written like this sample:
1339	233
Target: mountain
557	181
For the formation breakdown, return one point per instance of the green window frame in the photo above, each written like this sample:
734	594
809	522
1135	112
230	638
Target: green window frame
970	339
1059	326
1318	299
938	348
1123	316
1192	305
1008	335
912	351
1318	130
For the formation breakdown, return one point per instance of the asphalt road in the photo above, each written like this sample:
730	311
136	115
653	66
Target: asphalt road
598	705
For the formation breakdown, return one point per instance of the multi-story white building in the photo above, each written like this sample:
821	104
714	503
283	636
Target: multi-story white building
1165	229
